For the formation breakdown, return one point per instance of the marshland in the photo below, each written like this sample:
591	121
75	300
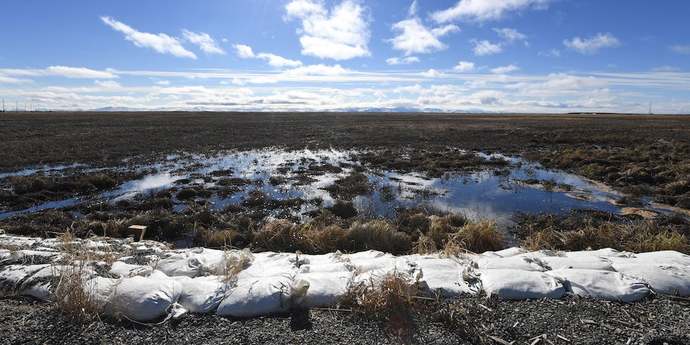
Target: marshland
337	182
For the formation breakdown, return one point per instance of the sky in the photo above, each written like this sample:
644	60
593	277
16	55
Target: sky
540	56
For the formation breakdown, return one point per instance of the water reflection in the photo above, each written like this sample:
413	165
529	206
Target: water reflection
490	194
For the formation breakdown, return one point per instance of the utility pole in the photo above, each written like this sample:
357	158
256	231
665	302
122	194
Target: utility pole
650	107
3	105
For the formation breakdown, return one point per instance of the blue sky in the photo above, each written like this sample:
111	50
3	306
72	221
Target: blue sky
435	55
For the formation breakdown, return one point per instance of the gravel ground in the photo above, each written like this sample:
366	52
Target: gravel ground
571	321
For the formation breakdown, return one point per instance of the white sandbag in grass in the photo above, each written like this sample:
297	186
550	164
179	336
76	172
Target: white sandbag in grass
577	262
520	285
604	253
201	294
444	275
192	263
269	264
126	270
16	279
665	257
373	265
145	298
323	289
664	279
257	297
508	252
605	285
520	263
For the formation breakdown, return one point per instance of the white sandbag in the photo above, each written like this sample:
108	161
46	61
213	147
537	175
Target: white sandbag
324	288
100	291
605	285
17	279
127	270
665	257
578	262
519	285
520	263
256	297
604	253
444	275
192	263
508	252
268	265
663	279
201	294
145	298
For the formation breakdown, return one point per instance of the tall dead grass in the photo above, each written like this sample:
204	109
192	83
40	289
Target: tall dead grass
71	295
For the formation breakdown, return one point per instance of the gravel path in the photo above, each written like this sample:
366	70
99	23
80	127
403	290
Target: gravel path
571	321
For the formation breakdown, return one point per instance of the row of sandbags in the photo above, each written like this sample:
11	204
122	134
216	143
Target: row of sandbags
242	284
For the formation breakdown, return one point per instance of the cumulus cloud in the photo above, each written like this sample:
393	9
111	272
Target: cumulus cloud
341	33
681	49
464	66
161	43
406	60
204	41
413	37
504	69
485	47
246	52
592	45
484	10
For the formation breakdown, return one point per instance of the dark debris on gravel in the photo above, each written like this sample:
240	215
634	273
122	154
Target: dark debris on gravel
654	321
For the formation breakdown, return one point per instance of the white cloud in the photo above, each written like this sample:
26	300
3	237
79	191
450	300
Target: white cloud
161	43
415	38
484	10
431	73
485	47
163	82
9	80
510	35
593	44
464	66
504	69
550	53
205	42
317	70
246	52
341	33
108	84
406	60
665	68
278	61
78	72
681	49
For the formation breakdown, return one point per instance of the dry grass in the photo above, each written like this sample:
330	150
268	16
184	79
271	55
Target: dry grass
392	300
236	262
71	296
634	236
378	235
479	237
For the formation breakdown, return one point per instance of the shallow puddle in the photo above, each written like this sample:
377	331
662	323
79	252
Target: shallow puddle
495	194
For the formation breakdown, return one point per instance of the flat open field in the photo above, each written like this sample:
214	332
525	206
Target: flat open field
50	138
